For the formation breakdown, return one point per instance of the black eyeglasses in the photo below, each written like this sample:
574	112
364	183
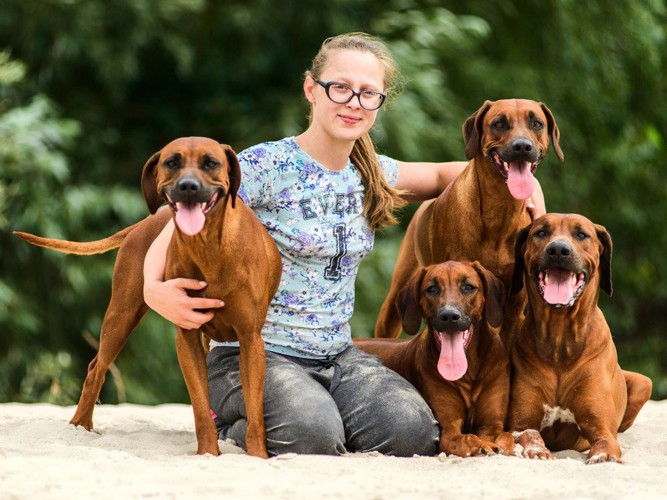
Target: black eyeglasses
340	93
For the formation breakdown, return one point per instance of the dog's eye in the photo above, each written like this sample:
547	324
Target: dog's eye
468	288
581	235
541	233
171	164
499	125
538	125
211	164
433	290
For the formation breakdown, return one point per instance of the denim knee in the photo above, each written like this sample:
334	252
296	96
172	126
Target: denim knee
308	430
411	431
402	425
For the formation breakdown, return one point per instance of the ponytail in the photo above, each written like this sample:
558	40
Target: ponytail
380	199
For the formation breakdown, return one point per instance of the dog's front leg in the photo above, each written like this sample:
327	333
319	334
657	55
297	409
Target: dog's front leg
451	417
193	365
453	442
598	425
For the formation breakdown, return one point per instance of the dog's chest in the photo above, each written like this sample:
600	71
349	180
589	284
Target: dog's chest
556	414
559	428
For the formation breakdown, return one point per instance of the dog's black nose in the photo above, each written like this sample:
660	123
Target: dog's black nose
451	319
559	250
522	145
188	186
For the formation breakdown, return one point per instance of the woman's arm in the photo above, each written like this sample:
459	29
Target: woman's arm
424	180
169	298
536	204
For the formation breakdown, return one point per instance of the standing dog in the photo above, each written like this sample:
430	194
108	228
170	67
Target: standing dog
478	216
217	239
458	363
566	381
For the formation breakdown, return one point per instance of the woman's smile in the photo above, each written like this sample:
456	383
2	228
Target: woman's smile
349	119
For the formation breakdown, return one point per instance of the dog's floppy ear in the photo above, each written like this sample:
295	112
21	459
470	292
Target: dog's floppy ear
494	295
554	131
472	130
234	172
149	184
519	265
605	259
407	303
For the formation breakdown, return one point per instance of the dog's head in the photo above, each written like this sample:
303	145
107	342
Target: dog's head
455	299
561	257
192	174
513	135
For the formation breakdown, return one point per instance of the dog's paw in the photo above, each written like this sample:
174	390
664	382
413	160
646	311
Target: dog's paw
469	445
604	450
532	445
505	443
603	457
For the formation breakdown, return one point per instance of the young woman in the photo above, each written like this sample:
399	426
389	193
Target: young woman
321	195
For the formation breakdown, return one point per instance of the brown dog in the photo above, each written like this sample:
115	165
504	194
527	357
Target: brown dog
458	363
217	239
477	217
566	381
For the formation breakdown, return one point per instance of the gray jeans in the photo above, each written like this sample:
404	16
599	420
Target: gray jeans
350	402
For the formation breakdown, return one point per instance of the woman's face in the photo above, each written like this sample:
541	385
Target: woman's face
360	71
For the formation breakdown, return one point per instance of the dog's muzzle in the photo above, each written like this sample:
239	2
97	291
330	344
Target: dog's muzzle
191	202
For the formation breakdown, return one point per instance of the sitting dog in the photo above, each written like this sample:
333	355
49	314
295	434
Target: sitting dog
458	363
568	391
217	239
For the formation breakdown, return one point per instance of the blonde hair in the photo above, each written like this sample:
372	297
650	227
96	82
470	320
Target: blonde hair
380	199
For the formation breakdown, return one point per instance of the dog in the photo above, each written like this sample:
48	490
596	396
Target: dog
217	239
479	214
568	390
458	362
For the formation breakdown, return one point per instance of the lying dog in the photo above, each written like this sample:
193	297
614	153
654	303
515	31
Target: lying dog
566	381
217	239
458	363
478	216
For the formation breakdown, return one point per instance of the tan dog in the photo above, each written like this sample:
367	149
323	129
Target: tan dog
478	216
217	239
566	381
458	363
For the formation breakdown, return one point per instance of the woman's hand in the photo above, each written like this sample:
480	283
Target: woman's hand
171	301
170	298
535	204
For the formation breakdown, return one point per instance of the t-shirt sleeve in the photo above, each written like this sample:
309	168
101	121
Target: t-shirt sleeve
390	168
256	173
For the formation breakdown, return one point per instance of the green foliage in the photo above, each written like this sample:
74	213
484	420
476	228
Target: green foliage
427	117
47	300
90	89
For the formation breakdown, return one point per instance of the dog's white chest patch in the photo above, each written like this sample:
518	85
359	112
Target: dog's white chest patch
556	413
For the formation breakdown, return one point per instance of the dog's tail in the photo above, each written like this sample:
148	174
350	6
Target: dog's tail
78	247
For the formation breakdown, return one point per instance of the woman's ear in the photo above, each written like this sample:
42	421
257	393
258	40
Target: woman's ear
309	89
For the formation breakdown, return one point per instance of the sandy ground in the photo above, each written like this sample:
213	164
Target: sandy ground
149	452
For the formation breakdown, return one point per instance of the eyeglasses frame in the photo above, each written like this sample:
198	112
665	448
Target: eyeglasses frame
327	86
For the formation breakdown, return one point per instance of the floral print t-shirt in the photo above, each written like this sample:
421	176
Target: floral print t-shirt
315	215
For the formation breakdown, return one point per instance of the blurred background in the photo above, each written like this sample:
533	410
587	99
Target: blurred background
89	89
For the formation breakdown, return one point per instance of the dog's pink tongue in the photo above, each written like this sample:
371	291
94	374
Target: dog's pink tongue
452	364
520	180
560	289
190	218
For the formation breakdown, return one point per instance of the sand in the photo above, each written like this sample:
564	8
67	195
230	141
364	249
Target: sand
149	452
